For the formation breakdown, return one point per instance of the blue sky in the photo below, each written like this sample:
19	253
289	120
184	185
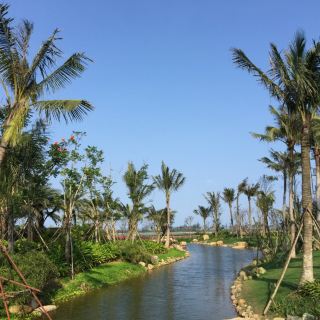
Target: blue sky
164	86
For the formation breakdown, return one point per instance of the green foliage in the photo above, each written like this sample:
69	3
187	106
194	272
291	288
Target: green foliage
133	252
154	247
37	268
23	246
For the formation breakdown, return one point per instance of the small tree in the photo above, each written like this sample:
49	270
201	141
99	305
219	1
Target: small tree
204	213
215	206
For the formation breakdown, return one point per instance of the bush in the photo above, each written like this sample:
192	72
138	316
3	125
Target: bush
154	247
24	245
134	253
36	267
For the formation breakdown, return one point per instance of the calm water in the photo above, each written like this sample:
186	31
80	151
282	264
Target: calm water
197	288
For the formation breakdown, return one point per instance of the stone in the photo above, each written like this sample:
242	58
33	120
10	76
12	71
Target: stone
183	243
48	308
279	318
150	266
242	275
205	237
254	262
307	316
241	302
154	260
219	243
261	270
293	318
20	309
195	240
143	264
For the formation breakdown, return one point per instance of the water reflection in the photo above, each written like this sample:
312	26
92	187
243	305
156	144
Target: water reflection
196	288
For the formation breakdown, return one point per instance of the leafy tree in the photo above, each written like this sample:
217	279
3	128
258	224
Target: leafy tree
168	181
250	190
26	80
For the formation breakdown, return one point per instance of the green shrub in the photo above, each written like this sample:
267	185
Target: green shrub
154	247
37	268
134	252
24	245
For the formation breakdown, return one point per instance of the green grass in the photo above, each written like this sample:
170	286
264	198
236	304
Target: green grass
104	275
172	253
257	291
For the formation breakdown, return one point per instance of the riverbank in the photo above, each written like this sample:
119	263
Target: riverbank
255	283
110	274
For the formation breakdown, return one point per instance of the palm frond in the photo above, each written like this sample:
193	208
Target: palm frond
69	110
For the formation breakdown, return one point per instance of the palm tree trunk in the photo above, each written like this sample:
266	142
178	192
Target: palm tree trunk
168	221
238	218
231	215
291	213
249	212
10	231
284	198
317	161
307	271
204	225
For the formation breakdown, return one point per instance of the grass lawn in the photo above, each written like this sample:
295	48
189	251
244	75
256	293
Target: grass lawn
108	274
257	291
172	253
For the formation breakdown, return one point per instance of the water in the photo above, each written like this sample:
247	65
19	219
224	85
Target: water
197	288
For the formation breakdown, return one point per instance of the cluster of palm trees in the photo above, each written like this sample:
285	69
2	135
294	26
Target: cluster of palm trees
28	162
231	197
293	82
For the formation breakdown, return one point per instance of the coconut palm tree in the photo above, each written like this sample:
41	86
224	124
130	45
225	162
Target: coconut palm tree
240	189
214	204
293	79
168	181
26	80
229	197
250	190
138	190
204	213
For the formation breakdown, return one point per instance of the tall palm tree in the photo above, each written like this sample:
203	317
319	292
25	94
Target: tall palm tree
229	197
138	190
293	79
287	130
25	80
168	181
250	191
204	213
214	203
240	190
282	162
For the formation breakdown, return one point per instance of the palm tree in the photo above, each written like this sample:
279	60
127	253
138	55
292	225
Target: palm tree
214	203
240	189
229	198
250	190
138	190
26	80
204	213
287	130
294	81
168	181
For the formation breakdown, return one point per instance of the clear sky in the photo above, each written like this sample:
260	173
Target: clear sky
164	86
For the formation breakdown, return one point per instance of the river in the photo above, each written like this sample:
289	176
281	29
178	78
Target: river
197	288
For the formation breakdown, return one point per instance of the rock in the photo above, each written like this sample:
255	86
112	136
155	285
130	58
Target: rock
183	243
154	260
214	243
150	266
195	240
242	275
48	308
254	262
241	302
143	264
20	309
205	237
307	316
260	270
219	243
293	318
279	318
